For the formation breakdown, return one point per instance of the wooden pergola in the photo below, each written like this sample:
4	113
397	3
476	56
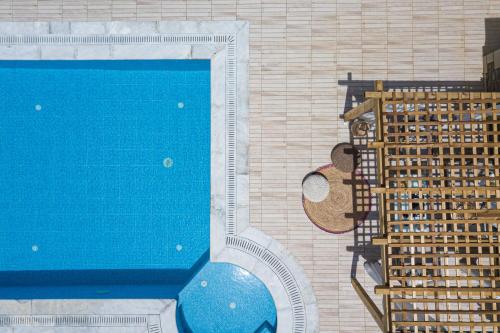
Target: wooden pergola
438	170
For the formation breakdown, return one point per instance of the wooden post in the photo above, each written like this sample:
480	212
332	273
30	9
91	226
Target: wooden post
379	86
369	304
361	109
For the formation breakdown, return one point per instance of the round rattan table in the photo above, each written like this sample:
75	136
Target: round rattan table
347	203
345	157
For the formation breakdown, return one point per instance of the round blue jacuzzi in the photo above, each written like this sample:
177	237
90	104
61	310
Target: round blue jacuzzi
225	298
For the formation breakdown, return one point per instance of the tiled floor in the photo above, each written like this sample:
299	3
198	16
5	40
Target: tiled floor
301	50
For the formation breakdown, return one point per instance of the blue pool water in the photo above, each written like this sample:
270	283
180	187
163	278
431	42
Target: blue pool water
104	174
224	298
105	190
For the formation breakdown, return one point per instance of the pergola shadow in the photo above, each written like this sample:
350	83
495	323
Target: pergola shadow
356	88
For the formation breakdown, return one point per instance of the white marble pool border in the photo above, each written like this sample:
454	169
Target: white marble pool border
226	44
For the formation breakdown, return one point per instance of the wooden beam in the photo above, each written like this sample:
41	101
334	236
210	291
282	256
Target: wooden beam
433	300
386	290
443	190
361	109
433	96
447	324
488	214
375	144
382	290
447	245
369	304
380	162
378	190
380	241
446	312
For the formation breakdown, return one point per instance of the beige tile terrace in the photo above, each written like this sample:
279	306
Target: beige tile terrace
300	49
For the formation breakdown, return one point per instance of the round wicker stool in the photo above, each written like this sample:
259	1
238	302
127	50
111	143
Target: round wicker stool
346	205
315	187
345	157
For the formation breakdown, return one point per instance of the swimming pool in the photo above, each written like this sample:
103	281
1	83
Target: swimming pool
105	177
225	298
232	240
106	183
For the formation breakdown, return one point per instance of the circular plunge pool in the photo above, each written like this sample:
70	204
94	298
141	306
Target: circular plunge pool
225	298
